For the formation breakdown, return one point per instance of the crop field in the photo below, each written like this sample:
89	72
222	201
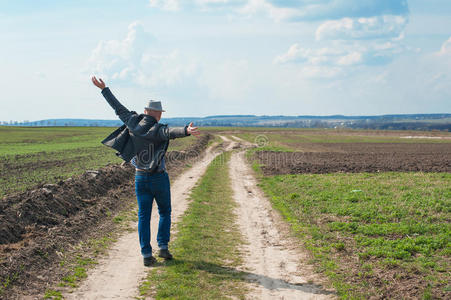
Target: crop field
30	156
372	208
359	157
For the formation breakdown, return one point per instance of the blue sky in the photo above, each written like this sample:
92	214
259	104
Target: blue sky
207	57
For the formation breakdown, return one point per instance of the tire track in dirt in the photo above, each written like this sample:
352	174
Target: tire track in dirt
272	260
119	275
229	144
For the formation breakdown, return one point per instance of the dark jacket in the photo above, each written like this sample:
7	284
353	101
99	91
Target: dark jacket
141	135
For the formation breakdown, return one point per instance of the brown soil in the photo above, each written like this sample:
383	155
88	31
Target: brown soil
359	157
339	132
35	225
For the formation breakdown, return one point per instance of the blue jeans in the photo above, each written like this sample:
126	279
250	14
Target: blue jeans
147	187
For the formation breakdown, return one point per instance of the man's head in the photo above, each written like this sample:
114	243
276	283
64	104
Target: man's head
154	109
154	113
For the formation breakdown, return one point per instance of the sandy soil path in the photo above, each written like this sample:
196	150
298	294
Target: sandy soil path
272	261
228	143
119	275
238	139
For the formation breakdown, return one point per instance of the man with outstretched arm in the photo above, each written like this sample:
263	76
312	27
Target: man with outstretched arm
143	141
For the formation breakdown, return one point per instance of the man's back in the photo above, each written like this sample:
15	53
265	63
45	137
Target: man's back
148	140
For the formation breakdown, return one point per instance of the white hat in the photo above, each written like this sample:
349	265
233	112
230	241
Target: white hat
154	105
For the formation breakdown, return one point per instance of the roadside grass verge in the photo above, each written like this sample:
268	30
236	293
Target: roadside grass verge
75	262
206	247
374	234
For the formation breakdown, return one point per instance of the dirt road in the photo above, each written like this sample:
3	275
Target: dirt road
272	261
119	275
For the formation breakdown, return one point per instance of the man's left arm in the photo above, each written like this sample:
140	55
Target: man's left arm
178	132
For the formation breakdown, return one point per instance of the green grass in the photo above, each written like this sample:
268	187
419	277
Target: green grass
30	156
360	228
206	248
52	294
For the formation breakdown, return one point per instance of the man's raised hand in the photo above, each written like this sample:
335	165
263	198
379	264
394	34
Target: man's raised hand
98	83
193	130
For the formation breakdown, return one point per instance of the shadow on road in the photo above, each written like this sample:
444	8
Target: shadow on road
229	273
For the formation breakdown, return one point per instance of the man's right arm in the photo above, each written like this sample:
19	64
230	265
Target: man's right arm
124	114
121	111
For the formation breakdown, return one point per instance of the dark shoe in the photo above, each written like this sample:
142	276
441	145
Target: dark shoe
164	253
148	261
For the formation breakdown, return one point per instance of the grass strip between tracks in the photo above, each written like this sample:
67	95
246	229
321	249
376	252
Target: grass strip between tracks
206	248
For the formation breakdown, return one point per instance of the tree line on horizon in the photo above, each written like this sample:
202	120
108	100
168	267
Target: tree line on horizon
426	122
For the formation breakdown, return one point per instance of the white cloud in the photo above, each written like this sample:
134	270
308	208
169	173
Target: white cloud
308	10
247	8
212	2
388	26
446	47
255	7
350	59
350	42
131	60
339	57
294	54
318	63
294	10
336	9
175	5
170	5
323	56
